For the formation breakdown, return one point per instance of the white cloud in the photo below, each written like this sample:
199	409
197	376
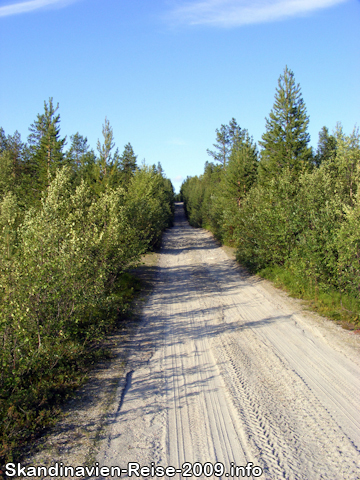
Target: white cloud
178	179
29	6
233	13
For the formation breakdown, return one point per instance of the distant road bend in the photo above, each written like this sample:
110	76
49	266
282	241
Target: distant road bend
226	369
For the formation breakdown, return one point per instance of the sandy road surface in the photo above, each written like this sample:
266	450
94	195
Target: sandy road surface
224	369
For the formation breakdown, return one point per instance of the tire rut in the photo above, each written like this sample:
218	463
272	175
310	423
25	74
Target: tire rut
235	376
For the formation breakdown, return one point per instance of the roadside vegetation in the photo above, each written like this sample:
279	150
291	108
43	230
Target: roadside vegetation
73	223
293	214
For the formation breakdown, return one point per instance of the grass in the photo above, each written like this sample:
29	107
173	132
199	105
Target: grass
342	308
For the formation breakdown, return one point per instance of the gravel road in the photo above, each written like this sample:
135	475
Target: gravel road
227	369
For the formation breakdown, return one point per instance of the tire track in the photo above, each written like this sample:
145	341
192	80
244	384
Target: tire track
235	375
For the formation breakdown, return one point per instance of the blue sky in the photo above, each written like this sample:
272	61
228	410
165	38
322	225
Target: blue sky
167	73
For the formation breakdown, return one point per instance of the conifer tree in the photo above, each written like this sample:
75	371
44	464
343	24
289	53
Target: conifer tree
242	168
46	144
286	140
81	158
107	169
2	140
228	138
11	160
326	149
105	154
222	145
128	162
77	151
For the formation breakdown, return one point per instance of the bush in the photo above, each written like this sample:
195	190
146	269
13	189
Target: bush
61	287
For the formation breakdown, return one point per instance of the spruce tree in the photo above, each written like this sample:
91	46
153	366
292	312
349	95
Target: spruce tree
128	163
326	149
3	142
286	140
81	158
12	161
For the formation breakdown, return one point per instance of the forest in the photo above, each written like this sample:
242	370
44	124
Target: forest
291	212
73	223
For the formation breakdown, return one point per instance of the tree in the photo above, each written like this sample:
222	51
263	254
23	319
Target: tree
77	151
159	169
46	144
107	163
128	162
11	161
242	168
16	170
326	149
2	140
106	158
222	145
81	158
227	138
237	135
345	168
286	140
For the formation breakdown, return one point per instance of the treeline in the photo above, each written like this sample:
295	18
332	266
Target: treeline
72	223
292	213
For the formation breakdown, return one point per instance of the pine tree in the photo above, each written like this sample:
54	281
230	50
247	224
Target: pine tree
222	145
77	151
106	158
236	133
286	140
228	137
46	144
107	169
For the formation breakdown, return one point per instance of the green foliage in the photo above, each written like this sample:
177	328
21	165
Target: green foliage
320	212
228	138
222	146
151	199
286	141
241	170
192	192
349	251
81	159
212	200
6	173
343	308
345	167
46	145
14	168
65	252
292	212
326	147
106	158
268	223
106	171
128	163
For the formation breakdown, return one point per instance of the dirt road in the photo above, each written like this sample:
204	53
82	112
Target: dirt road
225	369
